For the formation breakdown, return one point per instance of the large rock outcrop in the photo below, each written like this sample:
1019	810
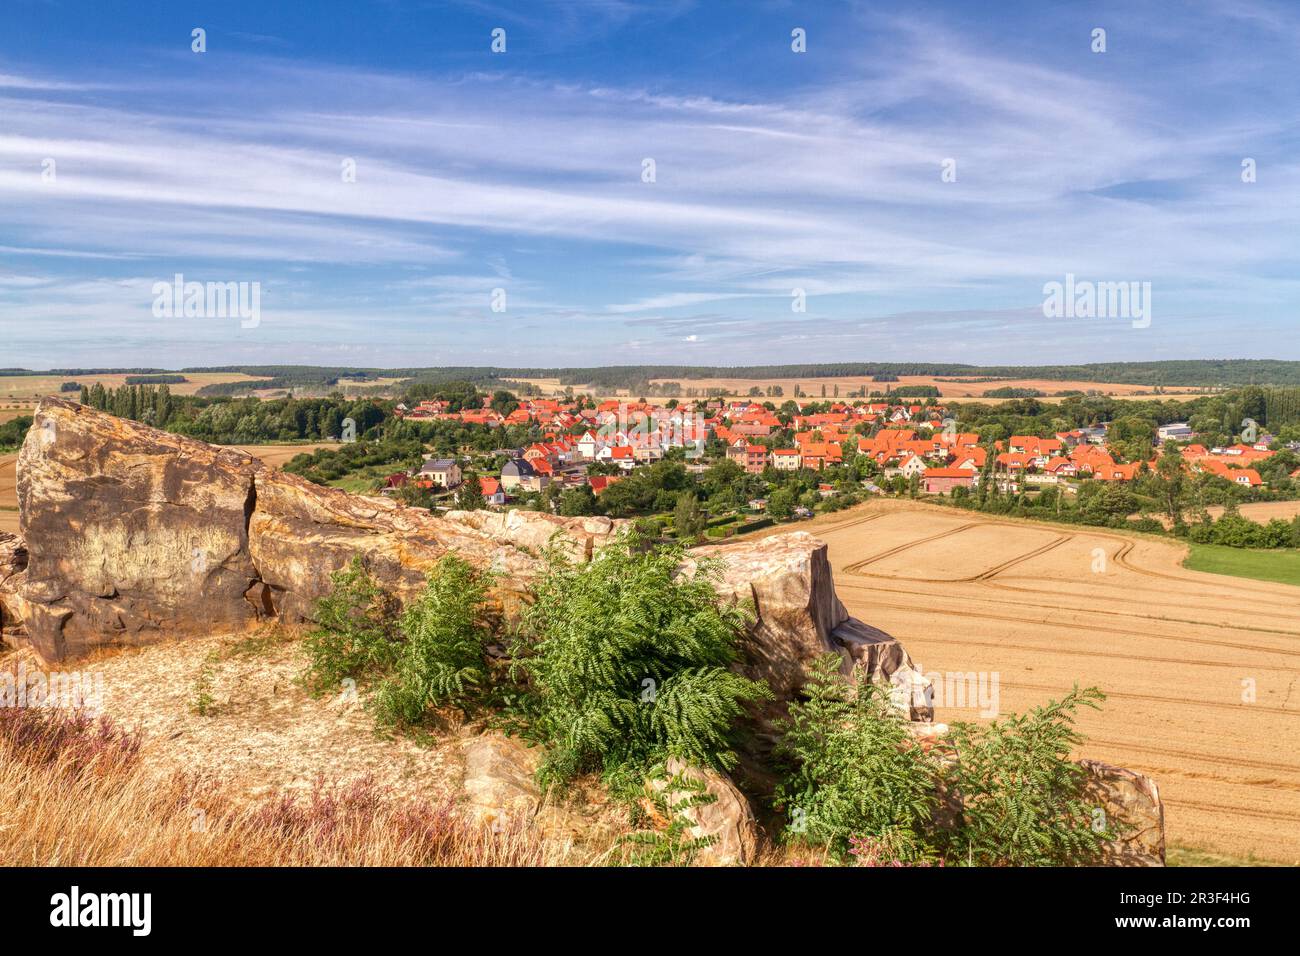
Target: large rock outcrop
799	618
134	533
130	532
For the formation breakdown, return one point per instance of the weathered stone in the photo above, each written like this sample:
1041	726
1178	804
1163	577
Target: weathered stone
13	609
131	532
1135	799
136	533
885	661
728	819
799	618
499	779
300	533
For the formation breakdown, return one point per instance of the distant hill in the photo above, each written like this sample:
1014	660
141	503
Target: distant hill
1185	372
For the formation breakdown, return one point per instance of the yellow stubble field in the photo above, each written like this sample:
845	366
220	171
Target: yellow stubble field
1201	670
949	387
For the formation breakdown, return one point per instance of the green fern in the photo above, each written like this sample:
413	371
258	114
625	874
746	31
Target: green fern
671	843
442	657
1022	796
853	770
625	662
428	655
355	633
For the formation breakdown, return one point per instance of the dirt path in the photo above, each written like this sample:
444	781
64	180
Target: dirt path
1178	652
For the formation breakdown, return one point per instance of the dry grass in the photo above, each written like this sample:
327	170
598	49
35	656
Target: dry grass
74	792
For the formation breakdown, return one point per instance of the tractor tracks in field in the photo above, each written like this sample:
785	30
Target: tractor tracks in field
856	567
968	613
1210	592
1160	699
1241	762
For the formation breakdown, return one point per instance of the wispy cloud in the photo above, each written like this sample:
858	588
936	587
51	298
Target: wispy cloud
535	182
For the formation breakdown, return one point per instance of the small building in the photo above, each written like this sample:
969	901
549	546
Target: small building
941	481
518	475
786	459
493	493
441	472
755	459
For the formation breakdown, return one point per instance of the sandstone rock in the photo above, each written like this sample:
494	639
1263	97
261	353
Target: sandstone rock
499	782
799	618
728	818
1134	798
135	534
13	610
131	532
300	533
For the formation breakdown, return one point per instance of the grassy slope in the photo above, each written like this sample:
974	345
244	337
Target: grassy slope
1281	566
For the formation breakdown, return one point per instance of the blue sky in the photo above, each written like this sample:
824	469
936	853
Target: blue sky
522	171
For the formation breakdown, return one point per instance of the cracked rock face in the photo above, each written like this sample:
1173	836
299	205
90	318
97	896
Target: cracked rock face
131	532
799	618
134	534
13	610
1132	797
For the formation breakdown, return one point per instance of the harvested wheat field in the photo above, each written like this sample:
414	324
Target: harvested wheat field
37	386
1261	511
949	387
8	492
276	455
1044	606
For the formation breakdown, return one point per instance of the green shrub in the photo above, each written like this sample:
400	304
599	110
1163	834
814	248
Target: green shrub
668	842
627	663
1021	794
853	769
855	778
428	655
442	658
355	633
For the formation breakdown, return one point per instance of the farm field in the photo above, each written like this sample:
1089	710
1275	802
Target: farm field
8	493
1044	607
277	455
29	387
812	386
1261	512
1283	567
